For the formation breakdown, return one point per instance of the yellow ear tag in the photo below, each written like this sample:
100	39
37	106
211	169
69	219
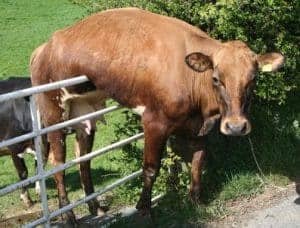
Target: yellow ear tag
267	68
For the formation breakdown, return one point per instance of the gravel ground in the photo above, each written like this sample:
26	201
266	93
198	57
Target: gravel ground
275	208
285	214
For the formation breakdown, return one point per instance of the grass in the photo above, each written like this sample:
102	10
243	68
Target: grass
25	25
230	170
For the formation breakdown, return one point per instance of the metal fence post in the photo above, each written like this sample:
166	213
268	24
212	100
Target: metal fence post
37	133
36	127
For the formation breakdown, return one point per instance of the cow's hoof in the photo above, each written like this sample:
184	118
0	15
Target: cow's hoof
144	209
28	203
26	199
143	204
143	219
100	212
96	210
195	197
70	219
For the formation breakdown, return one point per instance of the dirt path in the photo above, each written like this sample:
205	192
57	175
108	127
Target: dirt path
276	207
285	214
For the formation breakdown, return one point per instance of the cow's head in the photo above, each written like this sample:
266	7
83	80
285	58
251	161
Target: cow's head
234	70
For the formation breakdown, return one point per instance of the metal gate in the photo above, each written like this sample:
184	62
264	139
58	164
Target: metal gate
36	134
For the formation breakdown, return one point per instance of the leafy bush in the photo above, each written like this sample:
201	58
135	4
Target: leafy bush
264	25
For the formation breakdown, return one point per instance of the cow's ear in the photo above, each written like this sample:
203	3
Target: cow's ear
270	61
198	61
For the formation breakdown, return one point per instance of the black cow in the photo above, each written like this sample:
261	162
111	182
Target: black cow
15	120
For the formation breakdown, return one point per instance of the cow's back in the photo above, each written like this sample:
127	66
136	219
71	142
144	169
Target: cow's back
13	84
141	51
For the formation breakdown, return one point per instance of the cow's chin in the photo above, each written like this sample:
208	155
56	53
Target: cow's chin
235	128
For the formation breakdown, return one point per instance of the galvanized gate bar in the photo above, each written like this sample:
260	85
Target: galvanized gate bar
110	219
20	184
87	198
38	144
43	88
73	162
97	193
58	126
91	196
37	132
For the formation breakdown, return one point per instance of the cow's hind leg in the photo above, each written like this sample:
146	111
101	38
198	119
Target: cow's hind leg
83	145
49	104
156	134
57	156
23	174
51	113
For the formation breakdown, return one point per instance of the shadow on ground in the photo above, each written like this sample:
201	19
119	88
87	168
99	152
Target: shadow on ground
276	142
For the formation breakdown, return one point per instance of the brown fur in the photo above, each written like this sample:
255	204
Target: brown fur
138	59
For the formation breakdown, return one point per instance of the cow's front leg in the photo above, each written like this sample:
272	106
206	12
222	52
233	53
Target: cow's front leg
83	145
57	156
156	134
23	174
197	166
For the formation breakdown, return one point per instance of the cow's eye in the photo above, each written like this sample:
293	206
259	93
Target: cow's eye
215	80
216	77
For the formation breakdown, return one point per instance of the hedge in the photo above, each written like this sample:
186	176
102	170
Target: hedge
266	25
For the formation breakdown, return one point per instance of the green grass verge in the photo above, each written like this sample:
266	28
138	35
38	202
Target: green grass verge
230	170
25	25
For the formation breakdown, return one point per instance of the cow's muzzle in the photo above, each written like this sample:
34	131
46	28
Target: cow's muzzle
235	126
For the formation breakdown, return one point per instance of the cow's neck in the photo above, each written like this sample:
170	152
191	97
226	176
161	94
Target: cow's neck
203	96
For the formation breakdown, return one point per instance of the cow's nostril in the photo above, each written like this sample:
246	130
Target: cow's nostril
227	126
244	127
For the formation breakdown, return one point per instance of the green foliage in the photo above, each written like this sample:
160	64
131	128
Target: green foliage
271	25
128	128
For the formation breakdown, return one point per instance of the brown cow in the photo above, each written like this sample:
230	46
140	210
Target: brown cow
173	73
